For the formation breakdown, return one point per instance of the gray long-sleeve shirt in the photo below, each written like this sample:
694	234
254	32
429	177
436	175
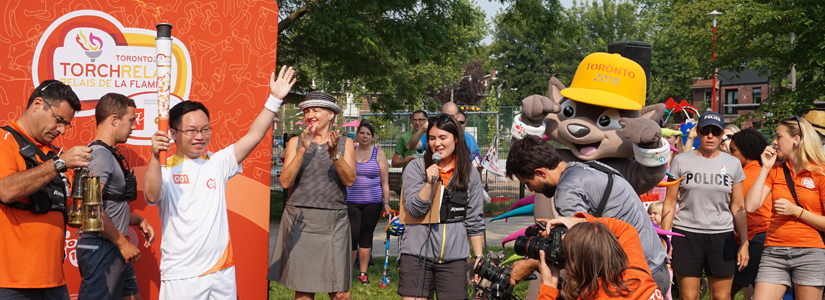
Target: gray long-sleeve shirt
580	190
447	242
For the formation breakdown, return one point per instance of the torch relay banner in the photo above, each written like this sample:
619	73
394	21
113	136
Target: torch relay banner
222	55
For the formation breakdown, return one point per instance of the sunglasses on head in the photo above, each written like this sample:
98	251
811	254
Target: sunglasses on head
727	137
796	118
710	129
442	119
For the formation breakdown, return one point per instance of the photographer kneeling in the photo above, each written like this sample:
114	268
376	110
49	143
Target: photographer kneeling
591	188
604	259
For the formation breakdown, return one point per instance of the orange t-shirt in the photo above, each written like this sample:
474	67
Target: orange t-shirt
759	220
788	231
31	252
628	237
446	174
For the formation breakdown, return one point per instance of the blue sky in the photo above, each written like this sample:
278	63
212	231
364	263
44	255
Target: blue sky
491	8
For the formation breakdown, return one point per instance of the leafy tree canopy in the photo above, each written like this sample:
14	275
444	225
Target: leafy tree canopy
390	51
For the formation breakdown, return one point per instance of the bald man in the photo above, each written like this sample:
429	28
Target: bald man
418	140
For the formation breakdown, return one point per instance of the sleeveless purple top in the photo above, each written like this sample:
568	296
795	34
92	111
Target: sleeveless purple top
367	186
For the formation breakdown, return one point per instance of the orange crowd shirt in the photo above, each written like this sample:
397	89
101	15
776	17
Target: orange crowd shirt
759	220
628	237
31	252
788	231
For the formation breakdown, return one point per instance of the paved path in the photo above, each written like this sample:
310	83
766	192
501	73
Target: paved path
496	232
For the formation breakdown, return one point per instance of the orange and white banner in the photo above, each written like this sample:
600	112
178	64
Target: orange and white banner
223	53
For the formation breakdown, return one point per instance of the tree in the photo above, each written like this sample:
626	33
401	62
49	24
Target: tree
535	40
757	35
386	50
527	42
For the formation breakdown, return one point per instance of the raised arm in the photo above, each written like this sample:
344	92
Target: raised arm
345	166
153	180
294	157
759	191
278	90
415	141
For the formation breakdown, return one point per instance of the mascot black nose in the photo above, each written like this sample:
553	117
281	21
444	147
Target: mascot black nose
578	130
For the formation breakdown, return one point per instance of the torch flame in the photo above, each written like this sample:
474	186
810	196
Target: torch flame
92	43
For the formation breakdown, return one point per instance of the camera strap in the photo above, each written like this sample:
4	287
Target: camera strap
607	190
792	189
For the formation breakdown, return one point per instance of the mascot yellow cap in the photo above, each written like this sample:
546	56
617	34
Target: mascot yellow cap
608	80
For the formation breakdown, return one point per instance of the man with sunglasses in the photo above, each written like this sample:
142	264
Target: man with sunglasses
451	109
32	192
105	258
197	260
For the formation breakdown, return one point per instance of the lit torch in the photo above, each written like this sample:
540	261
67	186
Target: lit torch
163	60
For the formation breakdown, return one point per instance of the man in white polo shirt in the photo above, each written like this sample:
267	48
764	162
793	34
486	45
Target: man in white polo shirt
196	252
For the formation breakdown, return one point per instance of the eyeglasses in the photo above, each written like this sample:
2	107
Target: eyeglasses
193	132
60	121
419	120
710	129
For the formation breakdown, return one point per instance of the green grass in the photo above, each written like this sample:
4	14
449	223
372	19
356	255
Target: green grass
373	290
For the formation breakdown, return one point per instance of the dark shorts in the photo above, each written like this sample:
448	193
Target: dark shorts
450	278
55	293
104	274
747	276
713	253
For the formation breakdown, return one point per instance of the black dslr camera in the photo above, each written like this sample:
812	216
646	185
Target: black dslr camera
499	287
529	246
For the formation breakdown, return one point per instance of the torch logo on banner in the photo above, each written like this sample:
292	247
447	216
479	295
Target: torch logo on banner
92	45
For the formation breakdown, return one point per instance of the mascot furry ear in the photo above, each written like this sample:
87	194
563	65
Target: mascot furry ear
601	117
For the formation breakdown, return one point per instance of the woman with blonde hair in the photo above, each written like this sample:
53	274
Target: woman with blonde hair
795	243
729	131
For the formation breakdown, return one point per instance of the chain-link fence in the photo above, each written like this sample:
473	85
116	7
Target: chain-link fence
484	123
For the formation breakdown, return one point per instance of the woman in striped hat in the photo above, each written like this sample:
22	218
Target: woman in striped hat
312	251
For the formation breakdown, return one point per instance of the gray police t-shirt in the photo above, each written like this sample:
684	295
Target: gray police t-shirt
105	165
581	188
704	192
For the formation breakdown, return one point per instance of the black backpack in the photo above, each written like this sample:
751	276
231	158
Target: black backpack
130	193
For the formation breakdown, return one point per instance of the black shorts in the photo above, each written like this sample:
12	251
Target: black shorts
713	253
747	276
450	278
55	293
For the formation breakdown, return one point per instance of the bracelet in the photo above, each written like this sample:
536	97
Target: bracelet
800	213
273	104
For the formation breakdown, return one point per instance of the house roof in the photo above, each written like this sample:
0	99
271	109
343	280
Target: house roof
747	76
700	84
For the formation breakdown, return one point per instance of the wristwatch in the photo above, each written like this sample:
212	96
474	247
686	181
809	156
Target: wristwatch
60	165
337	156
479	256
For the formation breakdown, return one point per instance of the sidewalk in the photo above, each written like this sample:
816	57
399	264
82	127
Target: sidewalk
496	232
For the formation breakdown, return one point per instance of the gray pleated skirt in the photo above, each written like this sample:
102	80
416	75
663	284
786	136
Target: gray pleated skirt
312	252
